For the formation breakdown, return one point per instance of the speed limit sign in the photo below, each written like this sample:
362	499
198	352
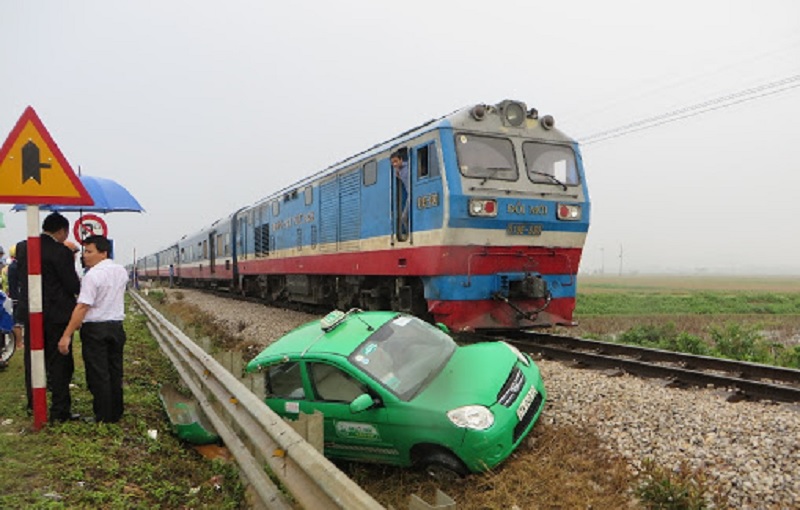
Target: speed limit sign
89	225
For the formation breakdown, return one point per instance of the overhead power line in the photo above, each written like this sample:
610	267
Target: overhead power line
718	103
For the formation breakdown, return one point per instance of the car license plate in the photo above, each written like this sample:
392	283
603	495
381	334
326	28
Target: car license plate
524	229
526	403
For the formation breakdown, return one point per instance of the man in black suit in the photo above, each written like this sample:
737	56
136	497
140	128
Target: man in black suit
60	287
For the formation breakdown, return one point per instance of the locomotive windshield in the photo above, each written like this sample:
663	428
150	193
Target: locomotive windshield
486	157
548	163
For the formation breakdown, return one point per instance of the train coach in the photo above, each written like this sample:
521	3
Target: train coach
476	220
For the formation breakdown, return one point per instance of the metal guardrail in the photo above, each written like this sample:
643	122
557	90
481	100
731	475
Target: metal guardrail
255	435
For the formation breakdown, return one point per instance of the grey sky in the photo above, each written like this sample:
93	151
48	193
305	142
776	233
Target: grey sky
201	107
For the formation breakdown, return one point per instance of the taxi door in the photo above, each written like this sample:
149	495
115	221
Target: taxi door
363	436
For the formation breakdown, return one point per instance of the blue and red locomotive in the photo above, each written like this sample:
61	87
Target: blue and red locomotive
476	219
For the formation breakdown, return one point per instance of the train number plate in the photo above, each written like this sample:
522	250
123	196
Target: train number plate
524	229
526	403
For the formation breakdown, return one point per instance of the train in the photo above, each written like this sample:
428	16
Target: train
476	220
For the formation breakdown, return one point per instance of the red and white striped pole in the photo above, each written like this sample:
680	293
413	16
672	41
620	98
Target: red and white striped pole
35	320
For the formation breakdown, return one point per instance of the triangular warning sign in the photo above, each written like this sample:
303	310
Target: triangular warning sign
33	170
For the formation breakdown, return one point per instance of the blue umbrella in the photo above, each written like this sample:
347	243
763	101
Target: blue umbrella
108	195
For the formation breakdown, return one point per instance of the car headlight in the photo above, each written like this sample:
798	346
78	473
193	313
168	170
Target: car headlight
471	417
521	357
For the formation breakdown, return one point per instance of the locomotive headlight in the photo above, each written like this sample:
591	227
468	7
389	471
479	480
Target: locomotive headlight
482	207
513	113
569	212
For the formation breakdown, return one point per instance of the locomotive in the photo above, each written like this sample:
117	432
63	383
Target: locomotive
476	220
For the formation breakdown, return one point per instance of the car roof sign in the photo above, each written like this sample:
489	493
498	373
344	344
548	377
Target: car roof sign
332	320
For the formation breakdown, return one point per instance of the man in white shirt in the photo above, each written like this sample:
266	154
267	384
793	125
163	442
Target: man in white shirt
99	314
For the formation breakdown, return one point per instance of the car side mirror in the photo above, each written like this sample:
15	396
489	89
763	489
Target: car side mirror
361	403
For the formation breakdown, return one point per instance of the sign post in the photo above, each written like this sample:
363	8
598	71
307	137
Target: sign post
33	171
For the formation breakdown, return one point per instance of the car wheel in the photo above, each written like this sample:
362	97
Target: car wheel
443	466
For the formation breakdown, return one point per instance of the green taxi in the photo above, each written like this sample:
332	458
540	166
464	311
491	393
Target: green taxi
395	389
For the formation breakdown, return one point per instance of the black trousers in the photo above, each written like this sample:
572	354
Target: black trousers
58	371
102	344
59	368
26	337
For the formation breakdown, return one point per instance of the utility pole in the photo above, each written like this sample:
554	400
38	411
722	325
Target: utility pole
620	260
602	260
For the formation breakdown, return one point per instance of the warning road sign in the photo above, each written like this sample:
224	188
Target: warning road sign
33	170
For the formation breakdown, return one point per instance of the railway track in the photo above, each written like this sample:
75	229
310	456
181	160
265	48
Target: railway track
744	380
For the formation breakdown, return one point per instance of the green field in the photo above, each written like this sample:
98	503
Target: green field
668	284
749	318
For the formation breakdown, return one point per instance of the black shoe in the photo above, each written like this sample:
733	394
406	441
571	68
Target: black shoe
71	417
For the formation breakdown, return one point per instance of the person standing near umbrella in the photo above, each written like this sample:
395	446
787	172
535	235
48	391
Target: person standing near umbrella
60	286
13	292
99	314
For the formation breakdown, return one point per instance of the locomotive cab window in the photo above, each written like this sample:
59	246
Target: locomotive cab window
551	164
370	173
308	193
427	162
486	157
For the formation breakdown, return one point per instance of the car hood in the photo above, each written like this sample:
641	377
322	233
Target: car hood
473	375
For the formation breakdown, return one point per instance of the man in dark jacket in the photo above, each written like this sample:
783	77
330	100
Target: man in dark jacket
13	293
60	287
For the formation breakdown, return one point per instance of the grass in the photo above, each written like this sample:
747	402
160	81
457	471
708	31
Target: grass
83	465
660	284
683	488
704	303
557	466
748	319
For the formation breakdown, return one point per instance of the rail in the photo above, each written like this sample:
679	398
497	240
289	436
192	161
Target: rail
748	380
255	435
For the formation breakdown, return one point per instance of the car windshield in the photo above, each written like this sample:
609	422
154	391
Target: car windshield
404	355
